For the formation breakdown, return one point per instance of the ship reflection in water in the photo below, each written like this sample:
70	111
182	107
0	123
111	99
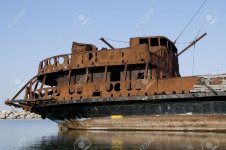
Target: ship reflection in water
119	140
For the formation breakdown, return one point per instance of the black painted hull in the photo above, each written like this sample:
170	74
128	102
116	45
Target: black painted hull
201	113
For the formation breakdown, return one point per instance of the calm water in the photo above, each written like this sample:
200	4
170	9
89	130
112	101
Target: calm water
44	135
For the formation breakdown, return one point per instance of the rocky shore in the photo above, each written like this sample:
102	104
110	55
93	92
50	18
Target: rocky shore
9	114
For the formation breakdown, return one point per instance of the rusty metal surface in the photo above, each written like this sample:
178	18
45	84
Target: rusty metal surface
140	69
192	43
148	67
145	74
150	98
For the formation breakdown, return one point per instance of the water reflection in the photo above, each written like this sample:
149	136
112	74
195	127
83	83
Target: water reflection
119	140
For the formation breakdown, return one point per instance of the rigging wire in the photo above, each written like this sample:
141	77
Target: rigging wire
199	30
193	61
184	42
116	40
193	65
190	20
198	33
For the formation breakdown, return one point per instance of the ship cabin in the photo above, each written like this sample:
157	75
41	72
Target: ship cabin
99	72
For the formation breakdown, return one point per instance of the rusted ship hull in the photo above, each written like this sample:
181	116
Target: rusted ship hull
133	88
151	123
199	112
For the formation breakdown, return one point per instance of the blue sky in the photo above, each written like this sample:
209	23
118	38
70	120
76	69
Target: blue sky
34	30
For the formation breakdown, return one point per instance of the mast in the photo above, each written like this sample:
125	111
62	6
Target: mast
190	45
108	44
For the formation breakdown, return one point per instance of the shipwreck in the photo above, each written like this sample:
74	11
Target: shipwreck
133	88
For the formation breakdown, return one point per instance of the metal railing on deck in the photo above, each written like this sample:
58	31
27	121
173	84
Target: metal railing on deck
55	63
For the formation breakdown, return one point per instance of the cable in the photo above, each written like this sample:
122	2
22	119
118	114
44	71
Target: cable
193	65
184	42
195	36
116	40
199	30
190	21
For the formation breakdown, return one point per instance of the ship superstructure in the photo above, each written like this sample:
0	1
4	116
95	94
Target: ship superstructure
138	87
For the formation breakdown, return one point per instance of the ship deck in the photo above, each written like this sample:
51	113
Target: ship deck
151	98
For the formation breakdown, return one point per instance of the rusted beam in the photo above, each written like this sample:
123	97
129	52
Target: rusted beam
24	87
108	44
192	43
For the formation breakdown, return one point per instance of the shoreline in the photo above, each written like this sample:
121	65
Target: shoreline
21	119
17	115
